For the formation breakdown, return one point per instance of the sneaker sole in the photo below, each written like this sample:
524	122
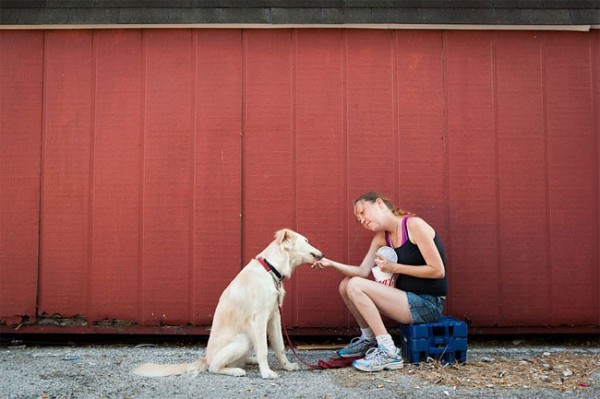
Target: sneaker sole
345	356
389	366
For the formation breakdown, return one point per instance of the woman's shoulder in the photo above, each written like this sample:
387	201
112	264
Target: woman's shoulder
413	220
415	224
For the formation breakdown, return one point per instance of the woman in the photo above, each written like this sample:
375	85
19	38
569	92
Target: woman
420	289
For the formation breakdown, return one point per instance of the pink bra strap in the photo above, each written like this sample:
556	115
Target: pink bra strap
388	240
404	230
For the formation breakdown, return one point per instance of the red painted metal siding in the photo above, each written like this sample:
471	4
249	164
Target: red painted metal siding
117	184
21	66
142	168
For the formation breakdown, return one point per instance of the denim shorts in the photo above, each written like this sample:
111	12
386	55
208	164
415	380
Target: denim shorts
425	308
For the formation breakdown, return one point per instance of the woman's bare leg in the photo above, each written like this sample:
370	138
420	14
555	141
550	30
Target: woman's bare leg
344	293
367	300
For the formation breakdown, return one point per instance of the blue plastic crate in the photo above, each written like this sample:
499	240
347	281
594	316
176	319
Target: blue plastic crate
446	326
415	350
453	350
444	340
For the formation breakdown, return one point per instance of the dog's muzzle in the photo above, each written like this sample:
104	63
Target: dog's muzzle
317	256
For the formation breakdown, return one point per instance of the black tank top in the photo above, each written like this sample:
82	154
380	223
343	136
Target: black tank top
409	254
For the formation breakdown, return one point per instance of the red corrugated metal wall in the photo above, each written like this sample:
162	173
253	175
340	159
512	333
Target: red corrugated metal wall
142	168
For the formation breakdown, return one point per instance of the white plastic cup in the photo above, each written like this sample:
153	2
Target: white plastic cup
382	277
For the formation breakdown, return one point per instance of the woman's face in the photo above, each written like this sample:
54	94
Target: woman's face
368	215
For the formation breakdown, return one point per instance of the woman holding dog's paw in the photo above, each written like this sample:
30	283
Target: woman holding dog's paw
415	294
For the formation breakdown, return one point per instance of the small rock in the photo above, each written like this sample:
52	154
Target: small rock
486	359
567	373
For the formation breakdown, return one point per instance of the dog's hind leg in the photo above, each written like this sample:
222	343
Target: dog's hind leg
276	339
230	354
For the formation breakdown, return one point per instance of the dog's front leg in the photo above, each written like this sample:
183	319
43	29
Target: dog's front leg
259	329
276	339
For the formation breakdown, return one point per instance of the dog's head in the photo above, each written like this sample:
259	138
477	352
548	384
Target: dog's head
297	247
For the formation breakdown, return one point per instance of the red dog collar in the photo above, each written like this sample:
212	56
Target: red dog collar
269	267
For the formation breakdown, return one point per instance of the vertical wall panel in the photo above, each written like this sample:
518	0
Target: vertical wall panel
65	213
21	64
117	175
217	181
269	164
269	153
595	46
321	166
421	138
168	177
370	118
472	171
522	180
572	174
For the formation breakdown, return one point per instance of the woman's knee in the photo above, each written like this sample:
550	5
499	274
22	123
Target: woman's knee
354	286
343	287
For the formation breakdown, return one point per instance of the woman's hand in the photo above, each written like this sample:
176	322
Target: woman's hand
385	265
322	264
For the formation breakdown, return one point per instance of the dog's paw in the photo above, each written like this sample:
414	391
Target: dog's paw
269	374
233	371
291	366
237	372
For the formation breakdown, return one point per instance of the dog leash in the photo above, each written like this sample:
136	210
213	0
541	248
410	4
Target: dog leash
331	363
277	278
289	342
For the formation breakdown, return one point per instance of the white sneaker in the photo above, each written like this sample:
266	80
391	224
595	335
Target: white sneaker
378	359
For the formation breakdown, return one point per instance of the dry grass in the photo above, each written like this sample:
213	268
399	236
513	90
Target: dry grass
561	371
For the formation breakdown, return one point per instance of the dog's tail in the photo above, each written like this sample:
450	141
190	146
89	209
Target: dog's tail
163	370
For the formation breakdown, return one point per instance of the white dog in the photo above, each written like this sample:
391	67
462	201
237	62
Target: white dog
247	312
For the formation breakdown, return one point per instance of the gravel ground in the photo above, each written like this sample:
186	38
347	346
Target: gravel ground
103	371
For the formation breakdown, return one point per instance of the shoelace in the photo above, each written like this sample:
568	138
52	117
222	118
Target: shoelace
373	352
356	340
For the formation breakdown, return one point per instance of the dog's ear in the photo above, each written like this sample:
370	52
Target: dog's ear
283	235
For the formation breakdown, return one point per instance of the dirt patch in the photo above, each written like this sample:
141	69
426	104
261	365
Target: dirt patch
560	371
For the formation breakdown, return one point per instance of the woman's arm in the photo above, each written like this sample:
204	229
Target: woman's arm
347	270
351	271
